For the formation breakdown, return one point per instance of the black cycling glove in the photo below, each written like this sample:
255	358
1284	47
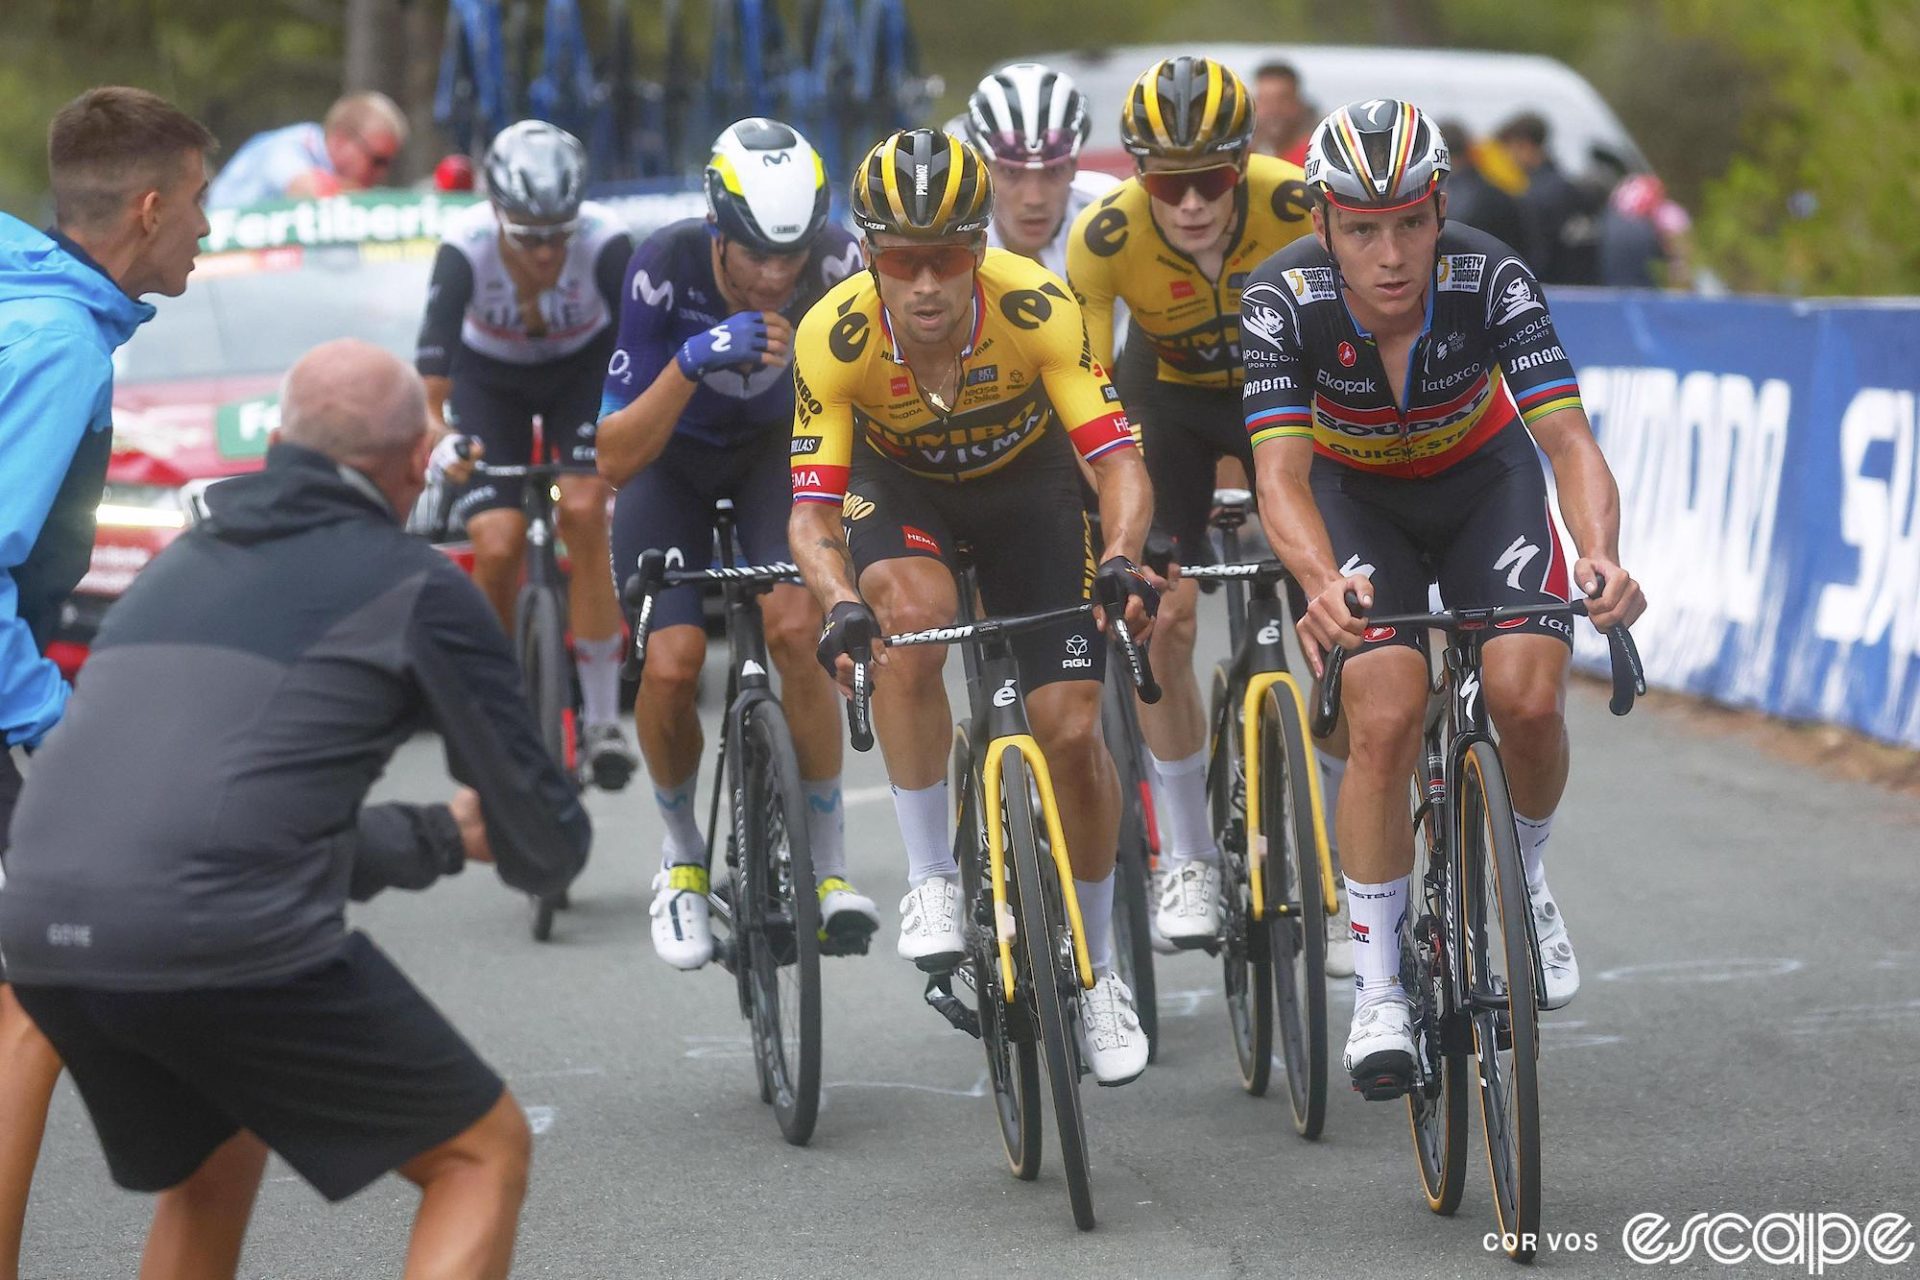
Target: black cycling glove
1120	578
850	629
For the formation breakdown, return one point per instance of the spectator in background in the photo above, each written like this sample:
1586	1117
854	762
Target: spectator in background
1282	119
1645	240
355	148
1476	201
1559	240
128	172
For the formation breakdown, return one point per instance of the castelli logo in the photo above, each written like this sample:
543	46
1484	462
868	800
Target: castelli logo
1374	635
1348	355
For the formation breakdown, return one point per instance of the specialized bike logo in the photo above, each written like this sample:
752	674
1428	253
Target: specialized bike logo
1815	1241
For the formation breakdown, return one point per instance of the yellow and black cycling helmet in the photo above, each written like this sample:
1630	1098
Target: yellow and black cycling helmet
924	184
1186	108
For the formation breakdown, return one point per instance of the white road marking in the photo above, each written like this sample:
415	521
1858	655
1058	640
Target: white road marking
979	1089
865	795
539	1119
559	1072
1731	970
740	1046
1853	1016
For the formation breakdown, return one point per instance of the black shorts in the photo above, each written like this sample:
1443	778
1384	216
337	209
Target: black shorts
9	796
1184	431
346	1071
1026	527
1480	528
498	402
669	507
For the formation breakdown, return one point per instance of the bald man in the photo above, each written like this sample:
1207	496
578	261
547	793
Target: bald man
184	948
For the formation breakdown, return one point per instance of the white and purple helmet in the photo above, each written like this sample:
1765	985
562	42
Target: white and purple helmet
1029	116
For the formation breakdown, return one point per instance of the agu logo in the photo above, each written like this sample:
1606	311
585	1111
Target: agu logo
1076	658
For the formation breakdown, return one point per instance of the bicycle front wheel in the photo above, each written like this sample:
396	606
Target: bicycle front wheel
1246	951
780	917
1006	1032
1296	914
1053	980
1437	1103
1133	868
1500	982
540	640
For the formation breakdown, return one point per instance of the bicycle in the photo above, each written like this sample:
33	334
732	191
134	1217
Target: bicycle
1138	853
1026	959
540	639
1277	880
768	902
1469	959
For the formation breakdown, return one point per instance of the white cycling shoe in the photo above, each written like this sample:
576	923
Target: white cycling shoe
848	918
1340	942
1561	970
1156	885
682	933
1379	1053
1189	910
1112	1042
930	925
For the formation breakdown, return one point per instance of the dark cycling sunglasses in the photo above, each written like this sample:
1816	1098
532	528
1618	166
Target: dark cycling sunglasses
1169	186
541	237
907	262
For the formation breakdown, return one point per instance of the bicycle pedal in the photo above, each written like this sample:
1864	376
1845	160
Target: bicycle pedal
1383	1081
723	953
943	963
1209	943
1503	1031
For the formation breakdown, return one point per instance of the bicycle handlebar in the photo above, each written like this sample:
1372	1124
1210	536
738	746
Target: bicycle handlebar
653	575
1264	570
1629	677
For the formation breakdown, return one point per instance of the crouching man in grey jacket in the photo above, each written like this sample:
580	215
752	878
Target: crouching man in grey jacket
182	942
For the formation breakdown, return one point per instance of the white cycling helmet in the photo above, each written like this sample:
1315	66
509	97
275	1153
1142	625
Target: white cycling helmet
536	173
1027	115
767	186
1376	156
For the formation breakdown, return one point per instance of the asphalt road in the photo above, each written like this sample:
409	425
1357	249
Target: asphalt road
1744	1043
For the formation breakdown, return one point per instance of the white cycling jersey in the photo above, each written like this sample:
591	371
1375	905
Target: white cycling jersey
1088	186
576	309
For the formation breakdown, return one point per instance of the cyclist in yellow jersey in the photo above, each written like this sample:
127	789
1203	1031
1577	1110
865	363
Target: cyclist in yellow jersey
940	398
1175	243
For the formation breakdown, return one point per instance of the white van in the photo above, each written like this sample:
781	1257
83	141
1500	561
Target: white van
1484	90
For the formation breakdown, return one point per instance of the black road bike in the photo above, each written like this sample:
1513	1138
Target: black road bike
1026	960
1469	959
768	899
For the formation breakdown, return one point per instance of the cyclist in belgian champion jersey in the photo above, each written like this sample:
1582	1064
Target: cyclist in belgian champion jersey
697	405
1400	371
519	323
966	375
1175	243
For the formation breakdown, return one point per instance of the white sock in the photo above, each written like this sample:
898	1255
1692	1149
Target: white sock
826	828
598	662
1332	770
1533	847
683	844
1096	918
1186	827
1376	910
923	826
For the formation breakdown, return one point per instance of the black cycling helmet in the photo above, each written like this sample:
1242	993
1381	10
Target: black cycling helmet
925	184
536	173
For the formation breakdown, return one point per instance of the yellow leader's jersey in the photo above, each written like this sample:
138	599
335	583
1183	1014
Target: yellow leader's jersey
1115	251
1026	370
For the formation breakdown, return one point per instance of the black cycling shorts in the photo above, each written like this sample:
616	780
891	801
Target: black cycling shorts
669	507
1184	432
498	402
1026	527
1481	528
9	796
346	1071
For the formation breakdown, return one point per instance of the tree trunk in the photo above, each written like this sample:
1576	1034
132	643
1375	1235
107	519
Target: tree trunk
376	47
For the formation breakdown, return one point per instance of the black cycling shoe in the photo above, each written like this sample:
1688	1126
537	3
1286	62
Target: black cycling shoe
1382	1077
611	763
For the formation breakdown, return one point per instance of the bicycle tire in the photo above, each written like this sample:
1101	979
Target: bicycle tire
1045	940
782	917
1133	875
1436	1111
1013	1056
1298	936
540	642
1246	958
1494	890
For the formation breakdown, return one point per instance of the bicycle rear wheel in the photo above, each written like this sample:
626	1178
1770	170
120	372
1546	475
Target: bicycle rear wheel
1053	982
1500	972
540	640
781	925
1006	1032
1246	954
1297	914
1133	875
1437	1104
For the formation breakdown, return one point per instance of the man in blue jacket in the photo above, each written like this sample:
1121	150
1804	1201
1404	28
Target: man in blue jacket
128	172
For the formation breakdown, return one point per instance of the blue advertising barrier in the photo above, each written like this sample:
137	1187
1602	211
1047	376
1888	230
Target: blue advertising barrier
1769	465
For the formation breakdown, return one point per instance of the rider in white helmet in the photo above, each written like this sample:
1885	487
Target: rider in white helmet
698	405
